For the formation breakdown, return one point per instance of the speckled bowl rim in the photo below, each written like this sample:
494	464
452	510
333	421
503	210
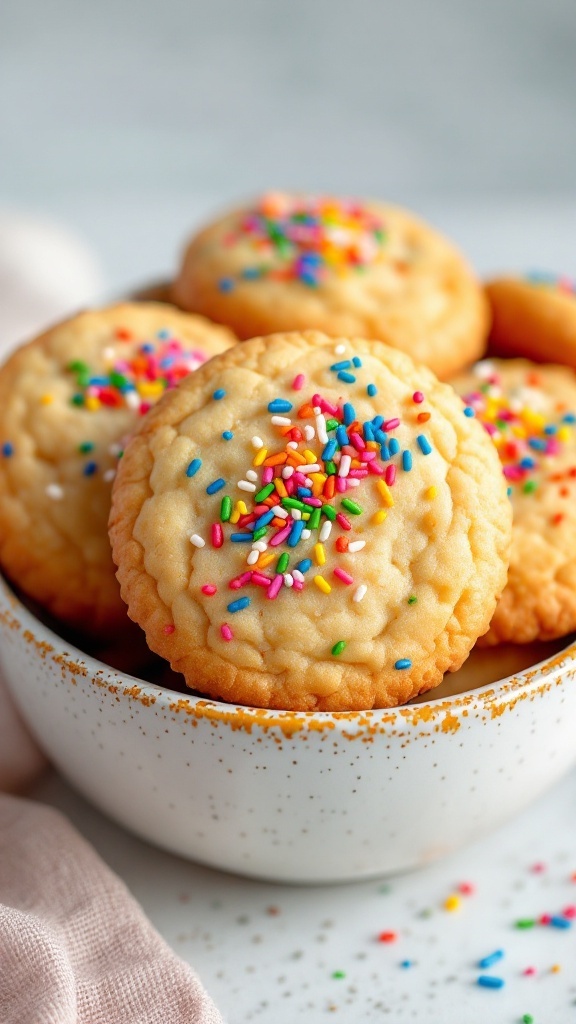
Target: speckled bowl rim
492	699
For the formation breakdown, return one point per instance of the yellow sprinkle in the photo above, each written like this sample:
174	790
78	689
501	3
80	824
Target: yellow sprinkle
431	493
518	431
533	419
385	492
265	560
322	584
280	488
379	516
241	507
452	903
564	434
150	389
260	456
372	446
556	968
305	515
92	403
47	399
311	458
235	516
319	554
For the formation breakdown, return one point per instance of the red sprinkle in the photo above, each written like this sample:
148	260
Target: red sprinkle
387	937
217	535
169	629
209	589
390	474
418	397
343	521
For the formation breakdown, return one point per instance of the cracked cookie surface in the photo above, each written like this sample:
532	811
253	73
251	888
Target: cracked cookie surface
341	266
67	401
311	523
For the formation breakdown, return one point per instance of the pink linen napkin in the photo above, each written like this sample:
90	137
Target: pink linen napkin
75	947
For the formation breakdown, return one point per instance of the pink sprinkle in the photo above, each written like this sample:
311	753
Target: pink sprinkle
358	473
324	405
217	535
298	585
418	397
281	536
344	523
260	579
513	473
267	474
529	971
340	485
314	502
275	586
538	867
357	441
347	449
344	576
569	911
367	456
299	479
375	467
390	474
240	581
545	919
226	632
209	589
391	424
553	447
290	486
466	888
298	382
490	429
169	629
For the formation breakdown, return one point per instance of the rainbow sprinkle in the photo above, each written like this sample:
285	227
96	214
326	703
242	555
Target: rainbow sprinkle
552	282
306	239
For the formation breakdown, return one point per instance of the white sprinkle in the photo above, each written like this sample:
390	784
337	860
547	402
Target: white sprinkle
109	353
326	531
288	580
259	545
360	593
132	399
292	444
485	368
306	534
308	482
297	575
245	485
109	475
257	442
357	545
296	513
309	432
114	449
197	540
281	421
344	467
287	472
321	429
282	513
253	557
55	492
340	350
312	468
353	481
252	475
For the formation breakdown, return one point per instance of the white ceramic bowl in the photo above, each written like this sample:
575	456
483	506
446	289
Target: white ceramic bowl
306	797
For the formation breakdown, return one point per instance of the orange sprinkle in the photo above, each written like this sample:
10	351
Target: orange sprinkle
387	937
557	518
423	417
305	412
274	460
342	544
264	560
280	488
330	487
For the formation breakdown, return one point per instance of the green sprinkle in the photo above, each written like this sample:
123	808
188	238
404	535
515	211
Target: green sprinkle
330	468
77	366
530	486
85	447
282	563
331	424
77	399
338	974
352	507
258	534
295	503
525	922
118	379
527	1018
314	521
226	508
263	493
412	599
338	648
330	512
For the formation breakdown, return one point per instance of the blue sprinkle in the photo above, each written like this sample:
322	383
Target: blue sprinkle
403	663
90	468
308	277
251	273
241	538
344	364
304	565
103	381
372	390
550	429
303	492
193	467
227	435
215	486
489	981
527	463
509	492
357	362
349	413
342	436
384	452
218	394
296	533
163	334
329	449
380	436
570	417
394	445
146	347
7	449
348	378
368	431
237	606
378	421
537	444
407	460
558	921
279	405
469	411
264	519
226	284
424	444
406	963
492	958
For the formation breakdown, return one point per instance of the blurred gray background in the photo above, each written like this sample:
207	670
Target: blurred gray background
130	121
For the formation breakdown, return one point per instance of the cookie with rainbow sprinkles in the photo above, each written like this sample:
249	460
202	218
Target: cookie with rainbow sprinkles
529	411
68	400
534	316
343	266
311	523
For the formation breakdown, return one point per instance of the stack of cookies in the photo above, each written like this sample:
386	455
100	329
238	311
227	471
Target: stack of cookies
310	518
